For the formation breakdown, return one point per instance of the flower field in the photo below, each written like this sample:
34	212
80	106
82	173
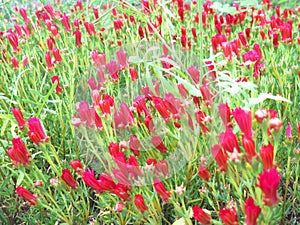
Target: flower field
150	112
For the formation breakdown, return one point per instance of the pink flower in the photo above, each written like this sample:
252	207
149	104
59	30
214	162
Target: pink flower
252	212
269	182
289	130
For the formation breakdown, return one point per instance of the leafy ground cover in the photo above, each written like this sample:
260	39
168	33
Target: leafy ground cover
151	112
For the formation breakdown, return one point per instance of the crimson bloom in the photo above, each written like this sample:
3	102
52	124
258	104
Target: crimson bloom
58	88
91	181
225	113
19	117
229	141
204	173
68	178
161	190
36	132
158	143
77	166
18	153
249	146
134	145
244	120
220	157
229	216
77	34
267	156
140	203
194	74
252	212
26	195
269	182
201	215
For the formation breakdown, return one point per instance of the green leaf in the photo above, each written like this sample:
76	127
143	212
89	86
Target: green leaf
20	178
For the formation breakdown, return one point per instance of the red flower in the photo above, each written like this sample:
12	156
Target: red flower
15	62
204	173
149	123
121	56
58	88
13	40
275	124
65	22
134	145
158	143
48	60
267	156
106	183
90	28
162	167
122	192
249	146
140	203
229	141
68	178
24	14
56	54
260	115
77	34
26	195
133	73
124	117
252	211
206	94
36	131
133	167
220	157
229	216
269	182
161	190
77	166
244	120
225	113
119	207
19	117
202	120
201	215
298	128
194	74
91	181
18	153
